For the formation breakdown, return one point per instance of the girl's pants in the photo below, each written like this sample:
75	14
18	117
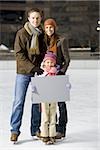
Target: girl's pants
48	120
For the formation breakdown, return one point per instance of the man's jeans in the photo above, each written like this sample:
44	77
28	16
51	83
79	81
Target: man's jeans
63	118
21	86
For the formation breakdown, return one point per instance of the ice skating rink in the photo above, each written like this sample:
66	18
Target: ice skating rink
83	110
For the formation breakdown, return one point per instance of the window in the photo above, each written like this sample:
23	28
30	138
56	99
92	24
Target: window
13	17
13	1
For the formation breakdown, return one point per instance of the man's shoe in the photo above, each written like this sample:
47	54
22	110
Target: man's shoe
60	135
14	137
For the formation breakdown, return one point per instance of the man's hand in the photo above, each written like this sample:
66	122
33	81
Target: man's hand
38	70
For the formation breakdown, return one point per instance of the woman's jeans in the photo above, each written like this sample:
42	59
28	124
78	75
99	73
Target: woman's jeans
21	86
63	118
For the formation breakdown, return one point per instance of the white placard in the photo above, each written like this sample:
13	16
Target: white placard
50	89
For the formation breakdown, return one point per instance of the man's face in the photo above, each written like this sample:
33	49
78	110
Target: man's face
49	30
35	19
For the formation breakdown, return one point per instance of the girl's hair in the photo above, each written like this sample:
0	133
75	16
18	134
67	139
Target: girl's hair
35	10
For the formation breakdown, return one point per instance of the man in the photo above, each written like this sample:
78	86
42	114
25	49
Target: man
29	53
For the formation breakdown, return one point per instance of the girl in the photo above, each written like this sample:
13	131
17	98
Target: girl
48	116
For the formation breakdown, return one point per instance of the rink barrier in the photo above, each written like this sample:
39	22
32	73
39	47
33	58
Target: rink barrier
74	64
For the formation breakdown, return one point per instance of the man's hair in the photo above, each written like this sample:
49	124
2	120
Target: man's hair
35	10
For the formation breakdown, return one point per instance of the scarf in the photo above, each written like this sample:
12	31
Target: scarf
51	43
34	32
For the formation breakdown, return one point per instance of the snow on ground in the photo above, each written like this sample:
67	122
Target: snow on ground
83	112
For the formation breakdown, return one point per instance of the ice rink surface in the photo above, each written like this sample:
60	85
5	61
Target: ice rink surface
83	110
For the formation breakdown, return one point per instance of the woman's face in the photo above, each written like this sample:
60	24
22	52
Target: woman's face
35	19
49	30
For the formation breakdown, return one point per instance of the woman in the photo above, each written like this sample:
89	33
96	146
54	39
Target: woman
58	45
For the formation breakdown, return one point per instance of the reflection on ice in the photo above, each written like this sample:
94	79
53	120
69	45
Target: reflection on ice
82	129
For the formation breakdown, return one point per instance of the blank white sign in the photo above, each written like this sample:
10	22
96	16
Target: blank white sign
50	89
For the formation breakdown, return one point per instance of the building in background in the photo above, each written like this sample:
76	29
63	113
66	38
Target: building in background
77	20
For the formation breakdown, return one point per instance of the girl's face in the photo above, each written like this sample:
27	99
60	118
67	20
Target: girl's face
48	64
35	19
49	30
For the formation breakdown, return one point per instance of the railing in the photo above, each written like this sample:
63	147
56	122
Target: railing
80	49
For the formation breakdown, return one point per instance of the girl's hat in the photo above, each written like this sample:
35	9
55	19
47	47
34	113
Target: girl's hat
51	56
50	22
